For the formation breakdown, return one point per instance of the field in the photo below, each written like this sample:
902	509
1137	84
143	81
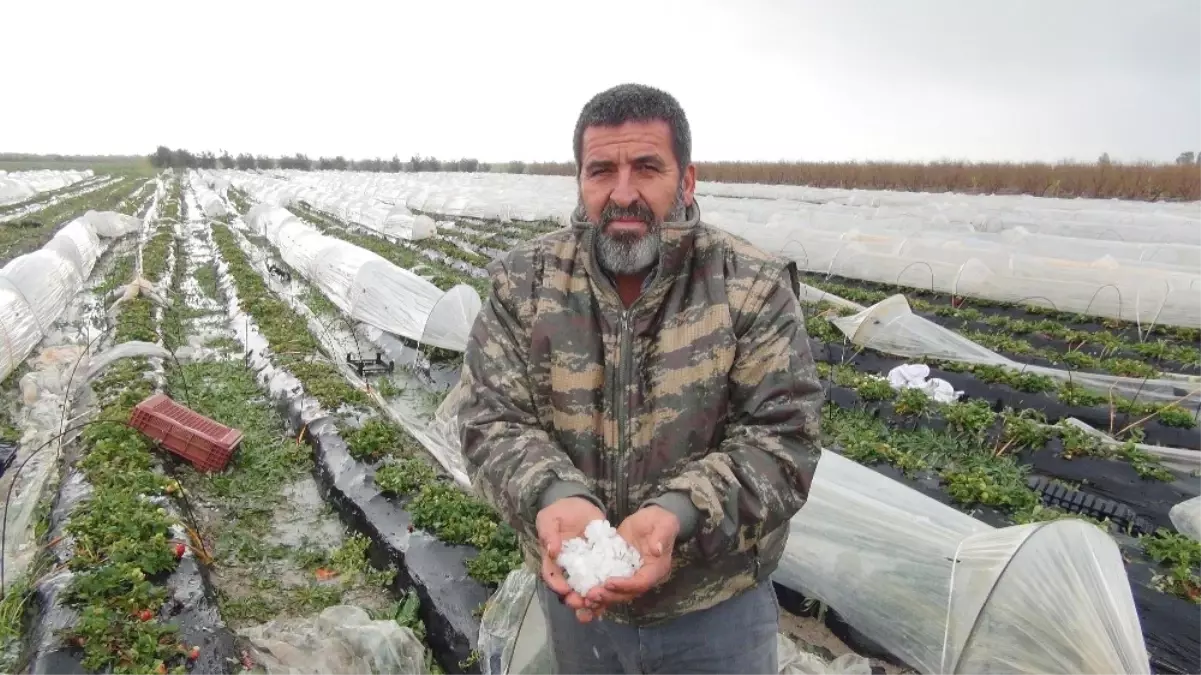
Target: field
256	298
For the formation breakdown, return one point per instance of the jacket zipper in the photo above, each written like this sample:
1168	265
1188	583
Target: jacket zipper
624	373
623	417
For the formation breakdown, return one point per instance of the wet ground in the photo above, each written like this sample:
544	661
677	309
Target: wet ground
278	549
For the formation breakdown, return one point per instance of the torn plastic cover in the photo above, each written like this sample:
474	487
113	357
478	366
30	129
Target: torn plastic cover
366	286
341	640
1186	516
36	287
877	550
891	327
1182	460
917	376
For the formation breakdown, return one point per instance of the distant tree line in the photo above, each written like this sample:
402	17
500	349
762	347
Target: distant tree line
165	157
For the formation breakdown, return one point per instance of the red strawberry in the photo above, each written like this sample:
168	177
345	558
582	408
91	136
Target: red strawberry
194	654
145	615
180	549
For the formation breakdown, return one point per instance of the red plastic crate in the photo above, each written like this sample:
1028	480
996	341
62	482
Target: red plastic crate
186	433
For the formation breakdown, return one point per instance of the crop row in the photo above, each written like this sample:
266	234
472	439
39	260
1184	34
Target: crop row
410	256
124	544
436	504
259	570
20	237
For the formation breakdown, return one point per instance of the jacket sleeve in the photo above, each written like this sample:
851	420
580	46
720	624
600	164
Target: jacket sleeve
512	460
759	475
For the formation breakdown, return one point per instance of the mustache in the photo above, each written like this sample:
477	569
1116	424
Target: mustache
639	210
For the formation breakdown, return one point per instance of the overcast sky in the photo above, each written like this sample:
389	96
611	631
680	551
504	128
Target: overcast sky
759	80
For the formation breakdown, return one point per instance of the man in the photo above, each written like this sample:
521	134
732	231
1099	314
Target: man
645	368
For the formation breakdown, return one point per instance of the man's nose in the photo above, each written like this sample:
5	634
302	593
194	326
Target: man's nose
624	194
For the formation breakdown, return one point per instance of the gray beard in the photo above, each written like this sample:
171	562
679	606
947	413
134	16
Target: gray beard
628	256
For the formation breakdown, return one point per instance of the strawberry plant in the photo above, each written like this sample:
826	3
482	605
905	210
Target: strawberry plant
971	418
1175	416
875	389
913	402
405	476
373	440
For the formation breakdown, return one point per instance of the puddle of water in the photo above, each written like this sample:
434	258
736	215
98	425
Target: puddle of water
302	522
303	519
207	320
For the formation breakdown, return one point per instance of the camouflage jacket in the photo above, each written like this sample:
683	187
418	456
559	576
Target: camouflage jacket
702	398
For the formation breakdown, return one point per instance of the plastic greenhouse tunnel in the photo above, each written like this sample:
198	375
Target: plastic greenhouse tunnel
36	287
367	287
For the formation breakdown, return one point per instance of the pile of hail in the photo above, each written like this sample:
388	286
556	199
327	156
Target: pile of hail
601	554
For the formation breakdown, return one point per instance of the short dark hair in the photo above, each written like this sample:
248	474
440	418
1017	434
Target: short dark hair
635	103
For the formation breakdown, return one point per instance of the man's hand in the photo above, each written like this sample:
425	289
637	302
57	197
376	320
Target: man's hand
652	531
564	519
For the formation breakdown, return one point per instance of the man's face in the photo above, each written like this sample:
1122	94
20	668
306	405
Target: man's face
629	185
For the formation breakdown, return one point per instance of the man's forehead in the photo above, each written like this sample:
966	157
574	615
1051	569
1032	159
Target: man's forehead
630	138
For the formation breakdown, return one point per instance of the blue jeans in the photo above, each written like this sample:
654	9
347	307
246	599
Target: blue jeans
736	636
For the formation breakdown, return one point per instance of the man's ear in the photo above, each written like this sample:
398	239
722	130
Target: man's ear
689	184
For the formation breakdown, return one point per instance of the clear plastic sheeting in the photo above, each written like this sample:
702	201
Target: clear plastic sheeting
1021	594
1042	598
1186	517
400	222
1182	460
21	185
512	635
794	660
1131	260
111	224
210	202
456	309
134	348
366	286
890	326
36	287
341	640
